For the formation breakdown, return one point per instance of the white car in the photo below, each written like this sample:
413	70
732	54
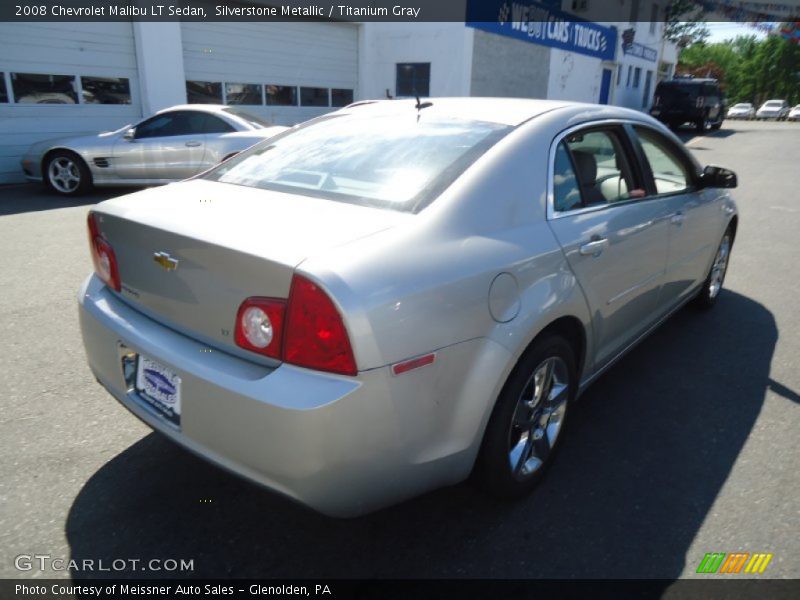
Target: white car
773	109
743	110
794	114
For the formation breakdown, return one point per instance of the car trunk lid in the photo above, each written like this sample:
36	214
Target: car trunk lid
190	253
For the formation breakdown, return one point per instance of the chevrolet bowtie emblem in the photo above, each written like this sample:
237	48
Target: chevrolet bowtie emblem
165	260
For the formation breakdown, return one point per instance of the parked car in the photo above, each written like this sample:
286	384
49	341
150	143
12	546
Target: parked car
689	100
175	143
773	109
743	110
794	114
387	300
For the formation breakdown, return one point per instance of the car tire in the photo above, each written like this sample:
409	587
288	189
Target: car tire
66	173
527	423
712	286
701	125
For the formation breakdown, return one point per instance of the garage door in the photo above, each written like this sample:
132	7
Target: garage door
287	72
61	79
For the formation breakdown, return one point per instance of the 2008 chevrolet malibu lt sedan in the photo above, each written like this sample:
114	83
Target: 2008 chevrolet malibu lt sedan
396	296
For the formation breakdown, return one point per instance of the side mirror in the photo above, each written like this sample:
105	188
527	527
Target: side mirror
129	134
718	177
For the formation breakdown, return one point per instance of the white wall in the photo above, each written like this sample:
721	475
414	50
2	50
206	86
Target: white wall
447	46
159	58
574	77
77	49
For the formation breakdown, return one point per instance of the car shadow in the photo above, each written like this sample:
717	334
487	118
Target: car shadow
687	133
23	198
647	451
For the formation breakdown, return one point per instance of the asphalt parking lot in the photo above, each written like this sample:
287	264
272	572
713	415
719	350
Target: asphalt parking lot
689	445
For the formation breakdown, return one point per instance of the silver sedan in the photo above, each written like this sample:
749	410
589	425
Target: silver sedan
397	296
175	143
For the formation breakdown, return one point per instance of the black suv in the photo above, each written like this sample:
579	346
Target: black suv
686	99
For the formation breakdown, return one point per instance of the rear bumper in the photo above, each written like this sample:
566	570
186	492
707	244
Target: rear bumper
342	445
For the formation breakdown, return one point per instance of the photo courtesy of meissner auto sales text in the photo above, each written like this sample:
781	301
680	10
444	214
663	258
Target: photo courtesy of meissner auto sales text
454	299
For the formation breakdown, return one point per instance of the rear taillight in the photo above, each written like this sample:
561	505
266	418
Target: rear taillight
103	257
259	326
315	333
306	331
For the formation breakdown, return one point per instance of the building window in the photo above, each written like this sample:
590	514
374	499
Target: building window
3	90
413	79
630	72
30	88
204	92
619	75
106	90
281	95
653	17
637	76
341	97
313	96
648	83
243	93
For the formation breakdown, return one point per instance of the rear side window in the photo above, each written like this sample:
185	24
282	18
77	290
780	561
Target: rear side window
670	173
393	162
216	125
600	166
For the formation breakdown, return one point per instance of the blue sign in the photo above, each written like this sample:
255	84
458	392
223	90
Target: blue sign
640	50
542	24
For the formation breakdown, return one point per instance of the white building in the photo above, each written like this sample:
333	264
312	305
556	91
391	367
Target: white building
61	79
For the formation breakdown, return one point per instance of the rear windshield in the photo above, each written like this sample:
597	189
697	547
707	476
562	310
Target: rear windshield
774	103
743	106
397	162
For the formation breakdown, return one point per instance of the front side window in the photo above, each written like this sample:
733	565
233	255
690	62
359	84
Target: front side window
670	173
413	79
204	92
172	124
31	88
106	90
399	162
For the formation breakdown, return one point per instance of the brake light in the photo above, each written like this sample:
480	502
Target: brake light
306	331
259	326
315	333
103	257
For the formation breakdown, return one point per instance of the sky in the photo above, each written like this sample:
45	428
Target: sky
721	31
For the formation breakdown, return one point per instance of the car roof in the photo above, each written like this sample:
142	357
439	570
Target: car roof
504	111
210	108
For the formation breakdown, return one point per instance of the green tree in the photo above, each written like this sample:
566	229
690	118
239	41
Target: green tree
750	70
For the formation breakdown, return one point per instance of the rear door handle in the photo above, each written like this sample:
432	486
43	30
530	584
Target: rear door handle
678	218
194	144
594	248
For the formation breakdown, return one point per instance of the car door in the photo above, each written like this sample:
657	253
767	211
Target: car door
614	238
218	143
168	146
693	213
